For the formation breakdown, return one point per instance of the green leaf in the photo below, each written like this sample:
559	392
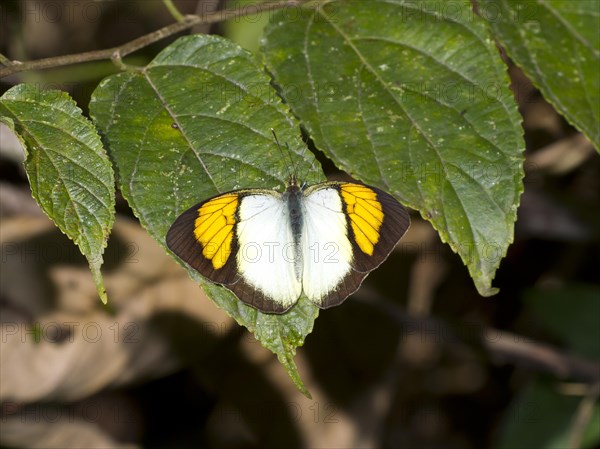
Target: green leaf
542	418
413	101
248	30
69	173
195	122
557	45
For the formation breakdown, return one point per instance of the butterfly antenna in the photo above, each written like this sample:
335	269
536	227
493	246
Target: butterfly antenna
309	170
306	151
290	175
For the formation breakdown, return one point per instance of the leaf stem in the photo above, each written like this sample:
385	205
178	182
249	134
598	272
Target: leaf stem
4	60
116	53
173	10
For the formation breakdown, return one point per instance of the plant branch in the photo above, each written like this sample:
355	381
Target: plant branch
516	349
500	346
116	53
583	416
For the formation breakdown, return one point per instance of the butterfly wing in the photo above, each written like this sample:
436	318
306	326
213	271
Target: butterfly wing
204	237
326	249
267	254
241	239
355	227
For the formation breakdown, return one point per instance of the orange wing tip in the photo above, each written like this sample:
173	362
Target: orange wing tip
365	213
213	228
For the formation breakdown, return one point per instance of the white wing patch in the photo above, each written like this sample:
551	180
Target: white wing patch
326	250
266	248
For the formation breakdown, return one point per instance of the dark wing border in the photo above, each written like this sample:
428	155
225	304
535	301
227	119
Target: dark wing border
181	241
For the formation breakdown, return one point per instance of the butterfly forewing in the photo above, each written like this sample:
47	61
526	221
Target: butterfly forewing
362	224
377	221
204	237
326	250
241	239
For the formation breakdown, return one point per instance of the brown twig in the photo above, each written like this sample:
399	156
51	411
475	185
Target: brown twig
519	350
116	53
501	346
583	416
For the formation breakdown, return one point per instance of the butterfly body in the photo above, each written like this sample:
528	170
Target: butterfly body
293	198
269	248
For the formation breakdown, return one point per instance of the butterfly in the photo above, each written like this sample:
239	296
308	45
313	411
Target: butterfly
271	247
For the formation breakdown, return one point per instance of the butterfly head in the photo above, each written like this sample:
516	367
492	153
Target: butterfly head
292	180
293	185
